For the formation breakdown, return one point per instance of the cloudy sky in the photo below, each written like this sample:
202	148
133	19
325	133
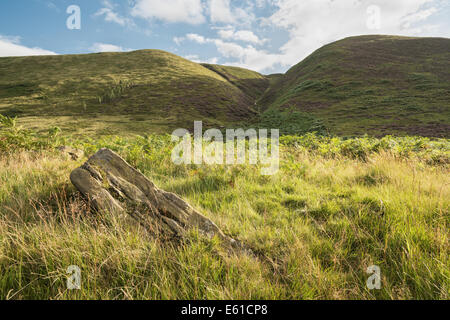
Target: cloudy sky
264	35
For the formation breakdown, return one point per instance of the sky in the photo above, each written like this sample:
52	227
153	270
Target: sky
268	36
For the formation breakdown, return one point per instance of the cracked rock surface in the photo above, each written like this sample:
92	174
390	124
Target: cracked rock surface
112	185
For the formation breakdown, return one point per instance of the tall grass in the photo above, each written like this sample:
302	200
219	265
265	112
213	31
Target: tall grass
115	91
322	220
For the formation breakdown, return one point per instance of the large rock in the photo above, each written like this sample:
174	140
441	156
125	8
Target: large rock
113	186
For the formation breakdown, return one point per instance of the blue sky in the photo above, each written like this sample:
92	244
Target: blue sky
264	35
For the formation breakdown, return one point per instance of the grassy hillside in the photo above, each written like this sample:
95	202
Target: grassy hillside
371	84
250	82
335	208
137	92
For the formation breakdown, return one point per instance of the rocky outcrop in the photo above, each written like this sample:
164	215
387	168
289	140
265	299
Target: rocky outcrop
113	186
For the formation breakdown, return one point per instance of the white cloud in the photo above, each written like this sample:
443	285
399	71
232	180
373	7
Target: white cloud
408	20
243	35
246	57
314	23
221	11
213	60
192	57
105	47
187	11
196	38
311	24
178	40
11	47
197	59
112	16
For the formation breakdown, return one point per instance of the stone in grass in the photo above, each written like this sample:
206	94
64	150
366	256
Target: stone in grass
112	185
73	153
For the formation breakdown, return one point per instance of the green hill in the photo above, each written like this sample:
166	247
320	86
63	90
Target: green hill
136	92
371	84
250	82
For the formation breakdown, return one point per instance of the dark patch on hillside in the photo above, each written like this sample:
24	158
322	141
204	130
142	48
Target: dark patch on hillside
11	90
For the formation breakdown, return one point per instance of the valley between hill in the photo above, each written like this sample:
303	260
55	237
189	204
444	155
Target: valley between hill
376	85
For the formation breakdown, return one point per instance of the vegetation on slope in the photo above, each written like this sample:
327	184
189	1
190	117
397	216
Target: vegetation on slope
377	85
250	82
136	92
335	208
372	84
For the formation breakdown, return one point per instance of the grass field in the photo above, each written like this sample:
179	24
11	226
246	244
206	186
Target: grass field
335	208
359	184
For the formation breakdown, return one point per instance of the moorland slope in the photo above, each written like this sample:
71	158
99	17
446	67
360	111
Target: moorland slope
371	84
105	93
376	85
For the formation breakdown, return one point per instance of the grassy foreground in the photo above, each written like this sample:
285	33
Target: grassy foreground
335	208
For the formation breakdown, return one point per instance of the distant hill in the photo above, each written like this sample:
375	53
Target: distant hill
250	82
368	84
136	92
371	84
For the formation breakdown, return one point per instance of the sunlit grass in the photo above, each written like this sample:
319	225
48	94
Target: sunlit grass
321	221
